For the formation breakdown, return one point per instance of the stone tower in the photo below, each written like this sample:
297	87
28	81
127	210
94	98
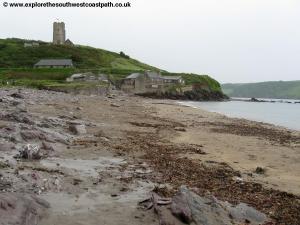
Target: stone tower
59	33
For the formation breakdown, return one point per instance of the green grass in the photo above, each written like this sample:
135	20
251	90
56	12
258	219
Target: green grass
16	64
13	54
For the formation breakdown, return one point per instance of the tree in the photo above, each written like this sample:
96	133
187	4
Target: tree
123	55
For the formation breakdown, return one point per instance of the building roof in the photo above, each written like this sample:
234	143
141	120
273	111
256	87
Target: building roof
54	62
133	76
152	74
172	77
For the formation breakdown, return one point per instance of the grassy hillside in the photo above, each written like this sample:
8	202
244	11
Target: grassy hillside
271	89
16	63
13	54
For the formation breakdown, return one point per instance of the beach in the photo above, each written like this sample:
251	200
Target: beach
104	154
243	144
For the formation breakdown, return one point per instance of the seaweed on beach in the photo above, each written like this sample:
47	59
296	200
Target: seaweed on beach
283	137
219	180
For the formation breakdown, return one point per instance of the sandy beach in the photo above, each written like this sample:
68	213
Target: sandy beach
243	144
131	145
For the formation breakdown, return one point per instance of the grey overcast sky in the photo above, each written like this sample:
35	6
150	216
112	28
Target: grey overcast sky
231	40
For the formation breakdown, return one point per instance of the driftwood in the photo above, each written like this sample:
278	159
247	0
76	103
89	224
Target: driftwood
159	206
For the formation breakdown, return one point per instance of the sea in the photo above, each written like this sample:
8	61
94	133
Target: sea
282	112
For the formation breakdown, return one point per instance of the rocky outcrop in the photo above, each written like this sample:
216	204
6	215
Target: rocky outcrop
192	95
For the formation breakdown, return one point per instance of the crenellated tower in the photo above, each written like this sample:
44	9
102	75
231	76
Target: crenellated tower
59	33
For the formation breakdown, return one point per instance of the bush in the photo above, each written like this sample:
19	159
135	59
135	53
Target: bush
123	55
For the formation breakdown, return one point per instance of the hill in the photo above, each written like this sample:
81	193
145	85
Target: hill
16	63
270	89
13	54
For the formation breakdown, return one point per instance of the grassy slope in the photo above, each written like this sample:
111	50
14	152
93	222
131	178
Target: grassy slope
14	55
16	63
271	89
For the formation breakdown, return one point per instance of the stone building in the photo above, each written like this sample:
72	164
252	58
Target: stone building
149	82
54	63
59	33
31	44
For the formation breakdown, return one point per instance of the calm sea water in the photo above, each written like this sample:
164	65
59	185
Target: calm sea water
278	113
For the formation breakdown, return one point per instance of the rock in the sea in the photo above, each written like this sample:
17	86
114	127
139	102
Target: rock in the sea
254	100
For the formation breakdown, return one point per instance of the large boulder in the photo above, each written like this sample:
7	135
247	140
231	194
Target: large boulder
16	208
190	207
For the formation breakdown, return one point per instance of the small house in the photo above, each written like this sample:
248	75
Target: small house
32	44
149	82
54	63
173	80
69	42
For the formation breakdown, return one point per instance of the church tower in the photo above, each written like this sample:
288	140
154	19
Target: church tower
59	33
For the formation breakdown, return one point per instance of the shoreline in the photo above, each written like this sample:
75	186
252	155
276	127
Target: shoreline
242	116
111	151
238	131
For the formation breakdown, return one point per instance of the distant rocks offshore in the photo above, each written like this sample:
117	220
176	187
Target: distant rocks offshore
271	101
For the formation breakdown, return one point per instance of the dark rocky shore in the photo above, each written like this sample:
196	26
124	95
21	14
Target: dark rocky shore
193	95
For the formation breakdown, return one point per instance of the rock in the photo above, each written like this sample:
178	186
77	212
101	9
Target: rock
180	129
76	181
243	212
17	95
3	165
32	135
260	170
115	105
6	146
4	184
16	208
104	139
77	129
114	195
179	208
30	151
190	208
254	100
47	146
